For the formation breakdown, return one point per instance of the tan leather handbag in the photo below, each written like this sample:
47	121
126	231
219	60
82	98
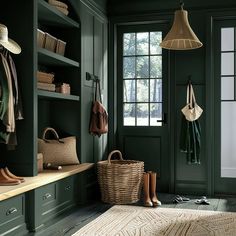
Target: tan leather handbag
98	117
58	151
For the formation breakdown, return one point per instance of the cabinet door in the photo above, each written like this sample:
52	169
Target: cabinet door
100	69
99	48
87	43
94	50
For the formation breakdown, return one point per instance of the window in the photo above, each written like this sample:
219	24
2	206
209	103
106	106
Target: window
142	79
228	102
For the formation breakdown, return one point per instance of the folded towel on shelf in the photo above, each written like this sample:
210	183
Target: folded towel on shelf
58	3
44	77
45	86
62	10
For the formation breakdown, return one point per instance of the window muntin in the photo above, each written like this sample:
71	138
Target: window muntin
142	79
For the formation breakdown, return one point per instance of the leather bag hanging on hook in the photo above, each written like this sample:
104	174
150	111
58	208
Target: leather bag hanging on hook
191	111
98	117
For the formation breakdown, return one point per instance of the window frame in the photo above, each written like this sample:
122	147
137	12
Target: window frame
149	102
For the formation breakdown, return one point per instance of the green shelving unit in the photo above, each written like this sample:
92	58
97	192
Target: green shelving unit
53	95
49	58
52	16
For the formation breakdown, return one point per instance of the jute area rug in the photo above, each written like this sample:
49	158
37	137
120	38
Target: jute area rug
123	220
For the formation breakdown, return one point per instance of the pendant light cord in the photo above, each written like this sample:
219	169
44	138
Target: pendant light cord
181	4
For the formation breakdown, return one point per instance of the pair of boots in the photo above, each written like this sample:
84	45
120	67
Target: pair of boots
149	188
7	178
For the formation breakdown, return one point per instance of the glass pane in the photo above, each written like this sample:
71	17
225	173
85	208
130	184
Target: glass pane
155	40
155	114
142	114
227	63
129	114
227	88
155	66
142	67
155	90
142	44
227	39
129	91
143	90
129	67
129	44
228	139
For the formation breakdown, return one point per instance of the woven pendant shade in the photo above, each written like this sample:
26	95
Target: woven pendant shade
181	36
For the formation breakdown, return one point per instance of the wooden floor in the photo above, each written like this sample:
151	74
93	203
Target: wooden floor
69	224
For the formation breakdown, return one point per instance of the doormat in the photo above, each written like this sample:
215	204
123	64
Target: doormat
123	220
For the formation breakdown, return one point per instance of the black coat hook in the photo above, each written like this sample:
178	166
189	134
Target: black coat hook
189	79
92	77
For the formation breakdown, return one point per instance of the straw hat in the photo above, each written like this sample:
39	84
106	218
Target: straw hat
8	43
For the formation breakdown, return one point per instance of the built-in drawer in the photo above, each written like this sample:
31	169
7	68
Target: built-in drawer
12	215
47	194
46	197
49	201
65	189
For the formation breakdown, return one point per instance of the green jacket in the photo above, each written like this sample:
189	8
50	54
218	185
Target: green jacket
190	140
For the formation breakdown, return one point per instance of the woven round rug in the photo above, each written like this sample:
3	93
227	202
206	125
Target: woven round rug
123	220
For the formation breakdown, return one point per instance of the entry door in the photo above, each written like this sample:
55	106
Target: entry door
225	107
142	98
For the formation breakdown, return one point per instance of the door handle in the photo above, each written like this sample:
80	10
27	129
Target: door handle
164	118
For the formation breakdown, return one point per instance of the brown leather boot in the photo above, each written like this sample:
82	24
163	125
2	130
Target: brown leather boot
153	195
5	180
9	174
147	200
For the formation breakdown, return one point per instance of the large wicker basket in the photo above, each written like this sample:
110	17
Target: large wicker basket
120	181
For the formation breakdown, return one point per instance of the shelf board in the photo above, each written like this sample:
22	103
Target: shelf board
53	59
51	15
54	96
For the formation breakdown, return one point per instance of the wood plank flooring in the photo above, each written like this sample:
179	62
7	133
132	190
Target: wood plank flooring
78	217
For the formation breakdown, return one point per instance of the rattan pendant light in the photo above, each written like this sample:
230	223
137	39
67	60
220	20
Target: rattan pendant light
181	36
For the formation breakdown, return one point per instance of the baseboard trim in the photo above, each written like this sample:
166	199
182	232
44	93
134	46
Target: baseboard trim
191	187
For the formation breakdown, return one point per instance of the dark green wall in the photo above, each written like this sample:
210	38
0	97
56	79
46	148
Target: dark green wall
184	178
124	7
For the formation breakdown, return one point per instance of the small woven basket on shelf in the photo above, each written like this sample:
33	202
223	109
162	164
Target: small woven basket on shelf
120	181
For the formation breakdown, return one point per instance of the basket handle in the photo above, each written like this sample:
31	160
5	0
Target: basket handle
111	153
54	133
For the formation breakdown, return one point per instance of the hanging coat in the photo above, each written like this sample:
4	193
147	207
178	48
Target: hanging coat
190	140
3	103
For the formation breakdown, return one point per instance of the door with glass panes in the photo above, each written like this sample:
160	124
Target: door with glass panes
142	91
225	107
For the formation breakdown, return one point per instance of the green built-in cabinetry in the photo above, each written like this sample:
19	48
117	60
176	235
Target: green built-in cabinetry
42	108
85	32
42	198
12	216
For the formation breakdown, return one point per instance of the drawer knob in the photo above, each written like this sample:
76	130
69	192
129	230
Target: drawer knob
11	211
67	188
46	196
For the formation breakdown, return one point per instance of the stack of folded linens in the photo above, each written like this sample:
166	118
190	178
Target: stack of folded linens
61	6
45	81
